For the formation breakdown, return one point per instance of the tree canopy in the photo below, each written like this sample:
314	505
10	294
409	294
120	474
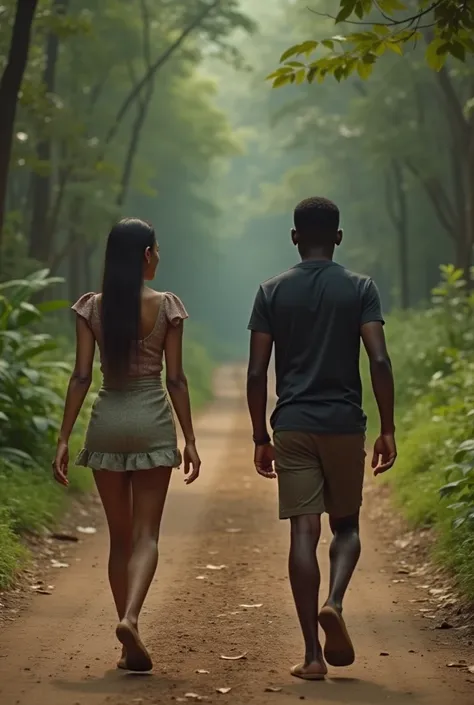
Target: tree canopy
378	27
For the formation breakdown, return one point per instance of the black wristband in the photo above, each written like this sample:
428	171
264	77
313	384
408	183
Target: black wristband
263	441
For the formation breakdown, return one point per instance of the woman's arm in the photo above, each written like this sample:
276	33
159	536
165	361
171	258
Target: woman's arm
177	386
78	387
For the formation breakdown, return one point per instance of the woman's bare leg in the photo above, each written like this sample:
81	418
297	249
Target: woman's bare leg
115	492
149	490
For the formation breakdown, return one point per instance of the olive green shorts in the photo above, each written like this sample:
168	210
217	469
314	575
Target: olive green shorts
319	473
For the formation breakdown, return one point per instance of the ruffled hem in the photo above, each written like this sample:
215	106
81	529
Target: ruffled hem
125	462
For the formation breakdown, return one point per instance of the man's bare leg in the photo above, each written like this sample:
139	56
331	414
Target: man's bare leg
305	581
344	555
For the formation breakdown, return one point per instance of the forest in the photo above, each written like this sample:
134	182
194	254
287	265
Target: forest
213	118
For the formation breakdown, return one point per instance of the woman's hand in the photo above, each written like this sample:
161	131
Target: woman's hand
191	460
60	463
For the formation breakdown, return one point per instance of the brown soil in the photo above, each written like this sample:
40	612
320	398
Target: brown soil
62	650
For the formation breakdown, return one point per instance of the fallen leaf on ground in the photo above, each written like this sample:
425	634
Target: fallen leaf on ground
215	567
456	664
202	671
58	564
234	658
250	606
270	689
223	691
64	537
192	696
86	530
200	577
42	591
402	543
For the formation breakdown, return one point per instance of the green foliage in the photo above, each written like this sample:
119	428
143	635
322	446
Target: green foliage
28	405
386	26
432	353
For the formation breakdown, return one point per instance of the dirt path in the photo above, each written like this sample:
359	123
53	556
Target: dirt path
62	651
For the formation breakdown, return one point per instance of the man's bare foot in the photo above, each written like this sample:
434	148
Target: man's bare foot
338	649
137	657
122	662
314	671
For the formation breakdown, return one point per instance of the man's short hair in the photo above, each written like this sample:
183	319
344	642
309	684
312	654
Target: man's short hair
316	222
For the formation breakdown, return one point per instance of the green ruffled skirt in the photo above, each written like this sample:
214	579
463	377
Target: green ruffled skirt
131	429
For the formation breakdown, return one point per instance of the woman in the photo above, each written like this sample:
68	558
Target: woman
131	442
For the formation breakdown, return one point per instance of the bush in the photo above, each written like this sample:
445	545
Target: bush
433	358
28	405
32	381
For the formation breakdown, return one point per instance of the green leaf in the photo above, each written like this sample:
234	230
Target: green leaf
395	47
451	487
50	306
291	51
436	54
345	12
283	80
364	69
41	423
308	47
15	454
457	50
300	76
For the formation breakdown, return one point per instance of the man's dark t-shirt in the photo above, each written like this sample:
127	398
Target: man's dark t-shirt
314	312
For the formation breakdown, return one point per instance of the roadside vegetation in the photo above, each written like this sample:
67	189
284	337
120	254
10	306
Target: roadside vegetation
432	352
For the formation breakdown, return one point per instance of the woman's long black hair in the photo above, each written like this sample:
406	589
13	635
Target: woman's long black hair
121	292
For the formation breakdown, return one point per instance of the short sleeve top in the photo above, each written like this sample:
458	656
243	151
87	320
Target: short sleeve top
149	361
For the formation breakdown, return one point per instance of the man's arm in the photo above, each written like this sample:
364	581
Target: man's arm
373	337
260	352
381	373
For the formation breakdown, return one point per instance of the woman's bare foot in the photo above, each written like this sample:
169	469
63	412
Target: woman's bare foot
137	657
338	649
314	671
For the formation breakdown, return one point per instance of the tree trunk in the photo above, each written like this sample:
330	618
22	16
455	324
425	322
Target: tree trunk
74	272
397	208
469	212
154	68
134	142
40	238
9	88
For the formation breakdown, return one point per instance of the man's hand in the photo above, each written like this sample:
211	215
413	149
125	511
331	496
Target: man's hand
263	458
385	453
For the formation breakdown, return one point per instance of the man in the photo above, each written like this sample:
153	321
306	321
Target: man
315	314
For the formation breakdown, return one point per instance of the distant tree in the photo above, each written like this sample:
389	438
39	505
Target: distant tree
10	84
